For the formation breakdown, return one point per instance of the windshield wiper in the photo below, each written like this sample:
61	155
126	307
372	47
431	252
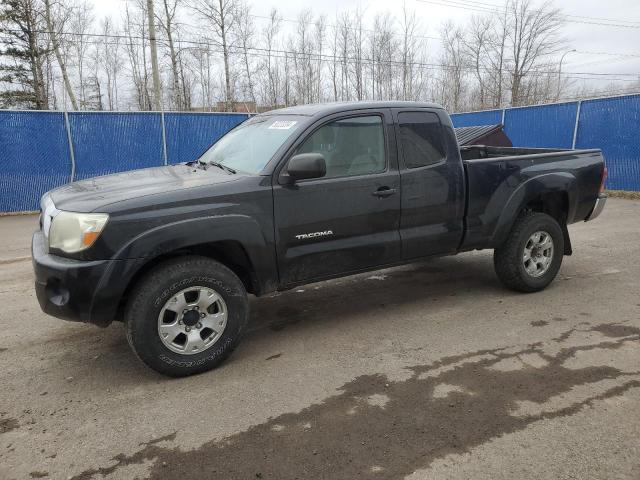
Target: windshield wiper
220	165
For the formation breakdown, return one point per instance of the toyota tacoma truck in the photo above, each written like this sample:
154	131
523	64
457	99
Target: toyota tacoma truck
294	196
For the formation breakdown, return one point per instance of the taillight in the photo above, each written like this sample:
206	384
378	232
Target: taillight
605	173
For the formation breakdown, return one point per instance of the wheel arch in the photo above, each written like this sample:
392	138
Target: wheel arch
235	241
554	194
230	253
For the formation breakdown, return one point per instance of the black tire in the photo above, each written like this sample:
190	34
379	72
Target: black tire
152	292
508	258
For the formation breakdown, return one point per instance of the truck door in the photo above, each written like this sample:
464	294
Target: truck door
347	220
432	198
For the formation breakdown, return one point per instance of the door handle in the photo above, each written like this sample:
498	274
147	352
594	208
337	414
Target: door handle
384	192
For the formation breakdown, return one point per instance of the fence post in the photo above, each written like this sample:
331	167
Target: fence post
164	138
575	126
67	127
502	120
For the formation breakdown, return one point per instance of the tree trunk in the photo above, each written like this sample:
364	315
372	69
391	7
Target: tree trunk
35	63
178	97
225	54
56	49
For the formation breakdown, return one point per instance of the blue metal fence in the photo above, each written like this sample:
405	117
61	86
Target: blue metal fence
113	142
34	157
611	124
188	134
474	119
546	126
42	150
603	126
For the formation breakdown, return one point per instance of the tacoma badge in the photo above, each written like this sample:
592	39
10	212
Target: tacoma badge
304	236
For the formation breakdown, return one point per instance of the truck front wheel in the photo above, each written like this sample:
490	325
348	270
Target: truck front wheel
186	316
531	256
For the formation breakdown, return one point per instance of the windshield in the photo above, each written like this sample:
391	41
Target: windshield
250	146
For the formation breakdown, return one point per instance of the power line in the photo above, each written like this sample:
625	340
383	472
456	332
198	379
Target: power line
496	9
368	30
493	6
264	17
635	55
502	6
292	54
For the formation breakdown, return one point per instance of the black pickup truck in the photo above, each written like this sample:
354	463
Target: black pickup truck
294	196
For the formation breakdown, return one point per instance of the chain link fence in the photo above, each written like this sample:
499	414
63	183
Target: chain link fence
42	150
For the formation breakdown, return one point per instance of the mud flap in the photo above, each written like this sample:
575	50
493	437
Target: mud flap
567	240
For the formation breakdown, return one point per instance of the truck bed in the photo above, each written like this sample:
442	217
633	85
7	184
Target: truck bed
480	152
498	177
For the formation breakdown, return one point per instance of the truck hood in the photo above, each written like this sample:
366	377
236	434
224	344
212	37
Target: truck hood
92	194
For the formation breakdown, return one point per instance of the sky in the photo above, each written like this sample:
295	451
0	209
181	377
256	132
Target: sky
610	49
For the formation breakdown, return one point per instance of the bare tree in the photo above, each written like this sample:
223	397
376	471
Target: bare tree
186	69
52	30
222	15
320	32
533	35
497	57
271	64
342	47
80	24
453	67
410	47
478	44
109	58
303	51
167	21
135	28
333	67
203	58
385	57
357	52
246	30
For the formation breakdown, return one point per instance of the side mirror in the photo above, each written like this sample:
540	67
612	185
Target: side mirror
307	165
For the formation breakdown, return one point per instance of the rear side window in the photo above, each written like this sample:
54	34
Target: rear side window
422	138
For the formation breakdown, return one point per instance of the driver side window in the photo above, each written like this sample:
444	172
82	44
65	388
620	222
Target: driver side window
352	146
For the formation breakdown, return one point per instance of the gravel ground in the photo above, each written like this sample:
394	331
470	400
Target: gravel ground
429	371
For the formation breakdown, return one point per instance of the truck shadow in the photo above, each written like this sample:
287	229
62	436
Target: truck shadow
378	428
436	280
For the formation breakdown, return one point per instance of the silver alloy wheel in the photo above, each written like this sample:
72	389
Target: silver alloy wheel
538	253
192	320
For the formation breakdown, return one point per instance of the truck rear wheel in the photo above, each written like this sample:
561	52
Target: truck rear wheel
531	256
186	316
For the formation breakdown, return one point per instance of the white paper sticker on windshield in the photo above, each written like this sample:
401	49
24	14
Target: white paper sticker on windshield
282	124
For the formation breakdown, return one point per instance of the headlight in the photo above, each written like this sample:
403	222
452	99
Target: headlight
73	232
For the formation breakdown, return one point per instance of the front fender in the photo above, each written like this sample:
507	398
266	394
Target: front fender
168	238
194	231
529	190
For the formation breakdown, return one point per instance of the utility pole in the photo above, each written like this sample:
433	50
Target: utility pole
154	56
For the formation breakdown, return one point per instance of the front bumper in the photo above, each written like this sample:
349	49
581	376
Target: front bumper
598	207
71	289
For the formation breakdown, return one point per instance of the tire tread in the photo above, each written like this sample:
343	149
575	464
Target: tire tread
141	297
